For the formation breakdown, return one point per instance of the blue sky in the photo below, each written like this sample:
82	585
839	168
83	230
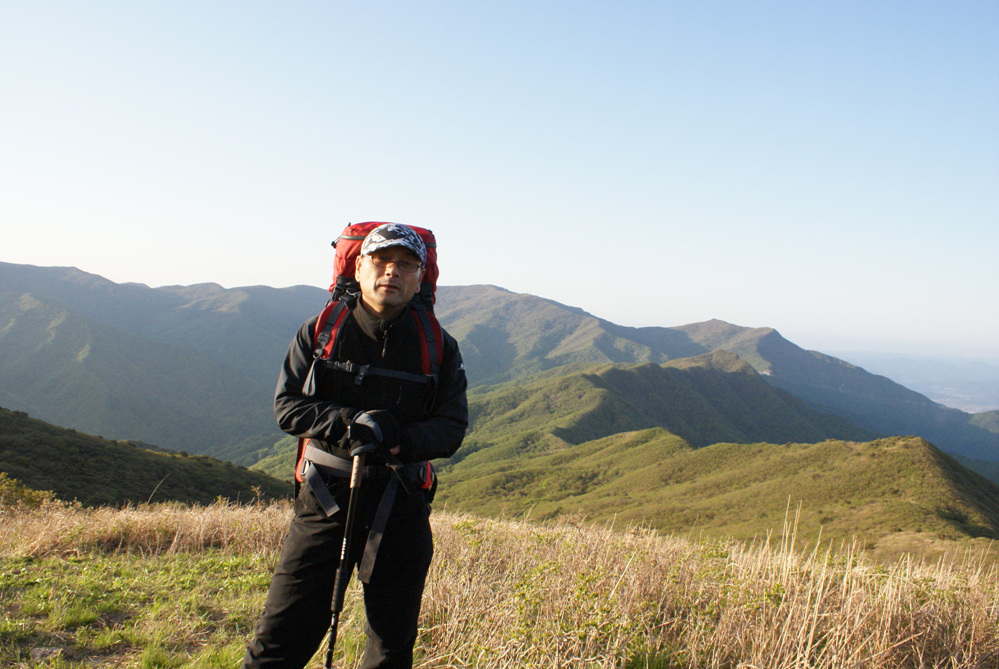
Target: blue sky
827	169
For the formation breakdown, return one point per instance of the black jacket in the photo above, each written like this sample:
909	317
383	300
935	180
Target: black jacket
433	416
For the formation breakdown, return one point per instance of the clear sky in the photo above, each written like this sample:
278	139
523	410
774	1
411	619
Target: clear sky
827	169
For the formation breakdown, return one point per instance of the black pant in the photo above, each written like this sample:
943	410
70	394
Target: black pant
297	613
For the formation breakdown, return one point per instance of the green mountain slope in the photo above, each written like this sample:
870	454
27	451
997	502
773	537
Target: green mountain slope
989	470
280	462
891	493
704	400
97	471
987	420
72	371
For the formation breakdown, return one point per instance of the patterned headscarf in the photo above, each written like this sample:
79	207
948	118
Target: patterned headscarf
394	234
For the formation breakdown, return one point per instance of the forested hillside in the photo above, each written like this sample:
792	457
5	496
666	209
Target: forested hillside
96	471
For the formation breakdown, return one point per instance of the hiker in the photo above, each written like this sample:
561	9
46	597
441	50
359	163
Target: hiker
369	391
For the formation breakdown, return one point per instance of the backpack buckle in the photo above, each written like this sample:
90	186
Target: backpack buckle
362	371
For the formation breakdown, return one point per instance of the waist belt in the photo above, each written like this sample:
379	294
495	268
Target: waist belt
317	462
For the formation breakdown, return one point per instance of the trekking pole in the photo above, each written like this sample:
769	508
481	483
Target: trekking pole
346	566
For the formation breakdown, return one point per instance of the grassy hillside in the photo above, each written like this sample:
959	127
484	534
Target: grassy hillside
280	463
892	493
688	445
97	471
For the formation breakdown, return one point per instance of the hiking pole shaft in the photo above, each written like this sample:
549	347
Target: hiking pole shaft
346	566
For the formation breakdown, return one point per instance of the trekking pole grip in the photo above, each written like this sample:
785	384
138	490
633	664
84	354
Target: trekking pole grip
357	472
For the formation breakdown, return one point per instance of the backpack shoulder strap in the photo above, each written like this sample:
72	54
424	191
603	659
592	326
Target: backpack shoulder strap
430	336
324	337
328	326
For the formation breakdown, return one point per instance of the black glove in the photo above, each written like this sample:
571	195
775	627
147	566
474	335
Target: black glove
374	427
346	415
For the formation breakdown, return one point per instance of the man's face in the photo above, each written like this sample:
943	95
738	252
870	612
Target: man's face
389	278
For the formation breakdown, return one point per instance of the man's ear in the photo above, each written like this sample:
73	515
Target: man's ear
357	265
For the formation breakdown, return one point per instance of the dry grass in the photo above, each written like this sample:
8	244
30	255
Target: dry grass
507	594
61	528
569	594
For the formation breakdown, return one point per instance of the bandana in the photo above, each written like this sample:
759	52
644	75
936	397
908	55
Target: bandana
394	234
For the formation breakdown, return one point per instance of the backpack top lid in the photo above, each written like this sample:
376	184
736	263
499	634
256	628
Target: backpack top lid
348	247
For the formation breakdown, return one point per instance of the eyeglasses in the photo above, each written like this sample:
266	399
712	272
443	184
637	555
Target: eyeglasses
404	266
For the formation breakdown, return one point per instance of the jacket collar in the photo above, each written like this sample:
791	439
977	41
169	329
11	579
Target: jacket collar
372	326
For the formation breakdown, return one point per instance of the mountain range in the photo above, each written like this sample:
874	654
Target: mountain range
193	367
710	424
507	335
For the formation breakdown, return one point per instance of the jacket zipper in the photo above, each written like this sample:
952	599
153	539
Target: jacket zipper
385	335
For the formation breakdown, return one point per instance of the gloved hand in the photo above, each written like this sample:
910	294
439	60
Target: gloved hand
346	415
374	427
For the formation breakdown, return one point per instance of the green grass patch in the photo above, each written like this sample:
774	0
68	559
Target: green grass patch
179	610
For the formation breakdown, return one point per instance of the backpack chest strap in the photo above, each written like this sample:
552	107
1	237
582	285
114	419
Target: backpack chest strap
362	371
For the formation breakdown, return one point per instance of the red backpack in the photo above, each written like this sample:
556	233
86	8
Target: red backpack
344	292
348	247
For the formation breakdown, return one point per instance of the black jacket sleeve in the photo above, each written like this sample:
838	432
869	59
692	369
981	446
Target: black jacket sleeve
296	413
442	433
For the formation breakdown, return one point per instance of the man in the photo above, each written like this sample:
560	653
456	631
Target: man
417	420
